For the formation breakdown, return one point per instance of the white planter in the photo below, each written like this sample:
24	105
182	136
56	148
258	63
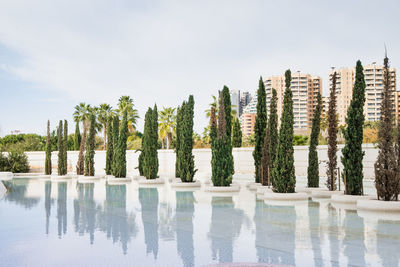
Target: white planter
261	190
253	186
88	178
174	180
324	193
285	196
379	205
348	199
309	190
60	177
156	181
223	189
180	184
113	180
5	176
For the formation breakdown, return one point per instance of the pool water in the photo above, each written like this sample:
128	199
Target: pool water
44	223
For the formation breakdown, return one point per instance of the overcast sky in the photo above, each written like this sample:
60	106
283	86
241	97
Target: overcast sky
55	54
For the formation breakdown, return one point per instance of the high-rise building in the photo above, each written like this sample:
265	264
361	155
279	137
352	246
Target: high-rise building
235	101
373	76
305	89
248	120
397	104
245	99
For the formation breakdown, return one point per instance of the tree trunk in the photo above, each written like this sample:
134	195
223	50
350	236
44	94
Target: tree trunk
162	143
80	165
169	137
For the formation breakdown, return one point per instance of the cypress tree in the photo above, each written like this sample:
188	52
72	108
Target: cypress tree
236	134
332	138
387	177
60	160
313	168
47	165
213	137
65	155
187	170
353	134
120	149
264	172
273	132
228	127
179	118
115	137
259	128
283	172
150	158
77	137
89	155
110	147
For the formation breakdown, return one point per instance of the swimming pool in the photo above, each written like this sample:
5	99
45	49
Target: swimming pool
45	223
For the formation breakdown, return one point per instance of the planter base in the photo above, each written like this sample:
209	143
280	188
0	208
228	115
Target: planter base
348	199
285	197
261	190
60	177
324	193
88	178
112	180
379	205
179	184
223	189
309	190
253	186
5	176
156	181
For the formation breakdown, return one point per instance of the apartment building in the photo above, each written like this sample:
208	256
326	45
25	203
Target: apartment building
373	75
248	120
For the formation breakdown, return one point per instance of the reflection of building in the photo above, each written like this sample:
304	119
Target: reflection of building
184	227
226	222
148	198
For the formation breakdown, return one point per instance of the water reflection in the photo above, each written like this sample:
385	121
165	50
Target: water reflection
47	203
387	242
314	222
275	233
184	224
226	222
62	209
148	198
85	210
17	193
333	235
353	242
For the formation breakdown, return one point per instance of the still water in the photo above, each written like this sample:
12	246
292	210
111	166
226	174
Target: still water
44	223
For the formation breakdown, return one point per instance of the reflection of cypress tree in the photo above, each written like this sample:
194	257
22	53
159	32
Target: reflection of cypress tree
313	216
353	241
62	209
148	198
184	226
333	235
85	210
387	245
226	222
47	203
278	221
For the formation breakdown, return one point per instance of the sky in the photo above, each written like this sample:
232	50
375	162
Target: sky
56	54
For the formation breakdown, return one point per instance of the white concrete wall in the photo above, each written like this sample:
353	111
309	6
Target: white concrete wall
243	160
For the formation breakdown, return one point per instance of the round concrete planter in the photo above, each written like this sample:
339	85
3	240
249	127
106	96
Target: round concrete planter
348	199
261	190
379	205
285	197
174	180
324	193
253	186
180	184
40	176
157	181
118	181
375	216
60	177
5	176
88	178
223	189
309	190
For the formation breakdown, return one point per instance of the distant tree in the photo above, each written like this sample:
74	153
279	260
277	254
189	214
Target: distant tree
77	137
273	132
387	177
65	147
167	125
179	121
81	114
150	159
332	137
110	147
89	155
48	151
60	161
313	167
353	134
126	103
104	111
283	172
236	133
120	155
115	138
259	128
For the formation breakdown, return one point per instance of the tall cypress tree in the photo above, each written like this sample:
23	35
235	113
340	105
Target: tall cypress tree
110	147
259	128
228	124
387	171
150	158
179	118
115	137
60	160
187	170
353	134
47	165
264	172
120	149
65	155
236	133
284	172
89	155
213	138
273	132
313	168
77	137
332	137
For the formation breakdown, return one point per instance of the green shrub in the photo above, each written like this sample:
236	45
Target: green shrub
15	161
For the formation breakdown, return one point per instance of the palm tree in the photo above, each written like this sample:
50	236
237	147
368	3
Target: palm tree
104	111
81	114
167	124
126	103
214	104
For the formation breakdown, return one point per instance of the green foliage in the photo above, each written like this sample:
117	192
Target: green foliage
332	138
283	172
259	128
186	167
90	145
313	166
110	147
150	145
47	164
120	155
125	103
115	137
23	142
353	134
236	134
179	118
77	137
249	141
15	161
273	131
264	166
60	160
65	148
134	143
300	140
